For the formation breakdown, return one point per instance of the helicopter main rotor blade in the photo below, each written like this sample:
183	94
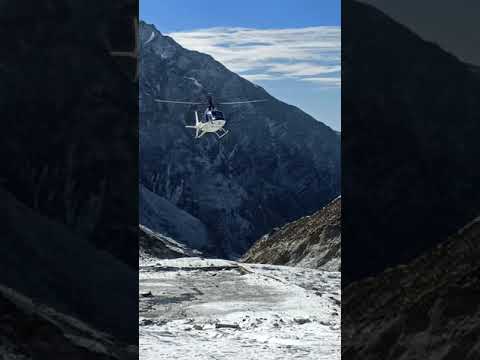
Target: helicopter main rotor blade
178	102
241	102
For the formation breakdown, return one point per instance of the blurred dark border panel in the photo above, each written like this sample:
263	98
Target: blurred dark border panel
68	179
410	180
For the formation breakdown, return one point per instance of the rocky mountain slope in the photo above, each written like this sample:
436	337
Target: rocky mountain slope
409	143
154	245
313	241
50	264
277	164
33	331
428	309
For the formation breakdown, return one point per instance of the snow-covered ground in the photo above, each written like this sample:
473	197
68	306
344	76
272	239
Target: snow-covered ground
193	308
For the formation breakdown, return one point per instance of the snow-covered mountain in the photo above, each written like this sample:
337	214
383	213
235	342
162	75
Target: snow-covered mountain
276	165
313	241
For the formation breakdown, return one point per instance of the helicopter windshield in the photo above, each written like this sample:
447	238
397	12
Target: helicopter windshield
217	115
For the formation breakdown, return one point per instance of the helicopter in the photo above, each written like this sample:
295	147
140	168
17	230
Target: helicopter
213	120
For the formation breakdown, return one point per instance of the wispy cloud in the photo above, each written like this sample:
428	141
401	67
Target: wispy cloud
326	81
306	54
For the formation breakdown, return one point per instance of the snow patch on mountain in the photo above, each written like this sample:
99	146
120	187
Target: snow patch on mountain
150	38
195	81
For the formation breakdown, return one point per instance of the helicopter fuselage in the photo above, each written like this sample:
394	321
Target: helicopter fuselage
212	125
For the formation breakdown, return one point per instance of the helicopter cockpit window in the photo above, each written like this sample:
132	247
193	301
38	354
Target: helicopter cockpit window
217	115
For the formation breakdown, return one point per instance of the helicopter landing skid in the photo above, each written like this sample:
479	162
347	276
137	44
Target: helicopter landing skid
222	134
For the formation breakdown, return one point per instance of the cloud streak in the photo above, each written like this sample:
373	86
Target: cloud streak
305	54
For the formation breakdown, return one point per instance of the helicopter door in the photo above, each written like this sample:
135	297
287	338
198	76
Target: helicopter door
208	116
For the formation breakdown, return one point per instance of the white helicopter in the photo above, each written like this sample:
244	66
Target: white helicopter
213	119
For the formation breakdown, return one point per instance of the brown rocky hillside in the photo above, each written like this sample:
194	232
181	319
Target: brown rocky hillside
313	241
428	309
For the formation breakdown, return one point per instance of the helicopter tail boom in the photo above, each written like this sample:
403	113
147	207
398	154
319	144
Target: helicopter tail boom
196	126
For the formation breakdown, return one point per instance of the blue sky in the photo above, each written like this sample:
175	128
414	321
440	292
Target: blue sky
291	48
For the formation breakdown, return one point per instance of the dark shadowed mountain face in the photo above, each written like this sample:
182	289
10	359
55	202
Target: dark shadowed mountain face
33	331
277	164
313	241
69	110
410	144
428	309
451	26
68	173
52	265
